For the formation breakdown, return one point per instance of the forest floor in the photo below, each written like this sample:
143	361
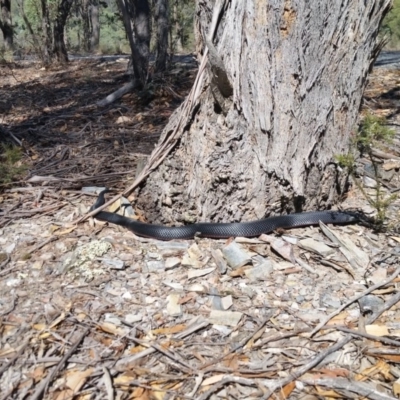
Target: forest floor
94	312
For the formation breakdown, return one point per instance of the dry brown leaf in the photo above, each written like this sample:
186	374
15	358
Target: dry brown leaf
377	330
239	271
396	388
286	391
108	327
326	394
137	349
170	330
231	361
39	327
38	373
340	319
331	373
140	394
58	320
65	231
381	367
147	395
75	379
213	379
64	395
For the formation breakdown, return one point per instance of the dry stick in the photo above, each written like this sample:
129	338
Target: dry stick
360	388
108	383
42	244
238	346
223	382
321	356
169	140
355	298
365	335
45	383
151	350
166	353
23	346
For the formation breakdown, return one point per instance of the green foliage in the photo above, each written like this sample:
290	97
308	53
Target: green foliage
347	161
10	165
373	131
181	24
113	38
371	134
391	25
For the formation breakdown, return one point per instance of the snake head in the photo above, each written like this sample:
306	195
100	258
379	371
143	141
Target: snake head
100	199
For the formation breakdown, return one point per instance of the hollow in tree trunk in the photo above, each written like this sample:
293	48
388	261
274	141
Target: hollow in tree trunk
280	98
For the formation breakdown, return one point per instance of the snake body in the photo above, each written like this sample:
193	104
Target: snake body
223	230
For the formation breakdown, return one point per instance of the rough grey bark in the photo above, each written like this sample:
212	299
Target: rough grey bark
136	16
177	40
95	21
86	24
162	24
46	33
59	49
281	98
6	24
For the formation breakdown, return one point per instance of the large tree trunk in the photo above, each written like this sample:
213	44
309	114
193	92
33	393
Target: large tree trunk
59	49
6	24
280	98
161	21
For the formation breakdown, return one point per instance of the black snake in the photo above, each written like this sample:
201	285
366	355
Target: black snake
224	230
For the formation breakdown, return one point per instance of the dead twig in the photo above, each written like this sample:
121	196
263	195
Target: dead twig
279	383
255	335
366	335
42	244
361	389
40	390
352	300
225	381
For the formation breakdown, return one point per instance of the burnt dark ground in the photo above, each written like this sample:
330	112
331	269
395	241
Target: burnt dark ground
66	136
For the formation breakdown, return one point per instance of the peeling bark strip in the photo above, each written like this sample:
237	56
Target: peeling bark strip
297	70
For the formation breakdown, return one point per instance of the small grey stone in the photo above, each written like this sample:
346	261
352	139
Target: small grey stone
328	300
155	266
369	303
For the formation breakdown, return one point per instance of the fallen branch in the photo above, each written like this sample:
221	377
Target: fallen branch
128	87
362	389
279	383
352	300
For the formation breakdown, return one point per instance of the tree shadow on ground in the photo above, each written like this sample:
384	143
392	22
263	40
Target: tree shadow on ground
66	136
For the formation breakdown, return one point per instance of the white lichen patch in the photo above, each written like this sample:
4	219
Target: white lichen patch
79	263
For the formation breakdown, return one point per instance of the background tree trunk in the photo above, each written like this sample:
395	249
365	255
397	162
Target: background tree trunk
136	16
95	21
86	24
46	33
59	49
161	21
266	144
6	24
